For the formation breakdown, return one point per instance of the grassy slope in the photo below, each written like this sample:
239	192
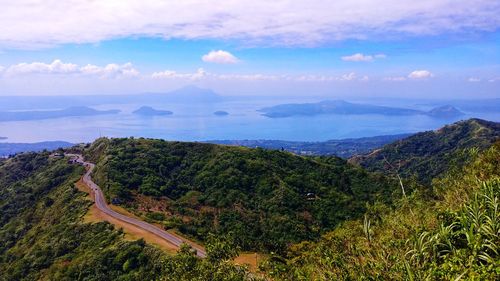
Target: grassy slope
438	235
428	154
259	196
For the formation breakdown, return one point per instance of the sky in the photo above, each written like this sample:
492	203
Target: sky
340	48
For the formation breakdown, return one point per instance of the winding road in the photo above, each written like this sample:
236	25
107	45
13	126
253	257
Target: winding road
101	204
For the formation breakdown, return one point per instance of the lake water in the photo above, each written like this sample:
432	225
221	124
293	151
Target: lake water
192	122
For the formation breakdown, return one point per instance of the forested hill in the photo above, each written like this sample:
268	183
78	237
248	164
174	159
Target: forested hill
447	232
264	199
43	235
426	155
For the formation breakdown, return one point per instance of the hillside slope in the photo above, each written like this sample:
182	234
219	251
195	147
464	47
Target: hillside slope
449	233
426	155
265	199
43	236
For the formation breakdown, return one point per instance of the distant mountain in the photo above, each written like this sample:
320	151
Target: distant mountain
347	108
188	94
14	148
344	148
446	111
149	111
221	113
480	105
428	154
49	114
3	138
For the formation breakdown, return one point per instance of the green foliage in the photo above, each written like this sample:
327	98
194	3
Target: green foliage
218	266
221	248
451	233
427	155
155	216
467	246
43	236
267	199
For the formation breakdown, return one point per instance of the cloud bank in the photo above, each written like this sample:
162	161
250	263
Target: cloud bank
202	74
41	23
58	67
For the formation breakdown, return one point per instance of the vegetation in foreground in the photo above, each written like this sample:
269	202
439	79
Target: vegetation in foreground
449	233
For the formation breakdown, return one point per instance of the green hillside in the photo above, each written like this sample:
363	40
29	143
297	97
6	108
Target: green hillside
452	233
265	199
428	154
43	236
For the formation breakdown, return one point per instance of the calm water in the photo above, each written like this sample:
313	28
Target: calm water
197	122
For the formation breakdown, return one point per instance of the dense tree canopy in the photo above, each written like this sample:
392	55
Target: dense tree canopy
267	199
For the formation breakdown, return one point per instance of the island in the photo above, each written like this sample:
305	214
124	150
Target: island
3	138
149	111
445	111
50	114
341	107
221	113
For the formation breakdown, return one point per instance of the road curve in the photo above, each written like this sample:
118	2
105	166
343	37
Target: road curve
101	204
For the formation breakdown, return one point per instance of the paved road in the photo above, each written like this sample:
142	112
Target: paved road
101	204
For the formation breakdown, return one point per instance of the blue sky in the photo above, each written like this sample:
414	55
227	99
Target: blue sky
430	49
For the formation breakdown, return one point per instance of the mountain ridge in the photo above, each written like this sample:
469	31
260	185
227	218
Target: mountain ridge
426	154
347	108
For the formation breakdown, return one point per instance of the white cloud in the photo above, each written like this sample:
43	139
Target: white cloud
474	79
357	57
202	74
41	23
170	74
250	77
420	74
395	78
111	70
58	67
494	79
315	78
220	56
348	77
